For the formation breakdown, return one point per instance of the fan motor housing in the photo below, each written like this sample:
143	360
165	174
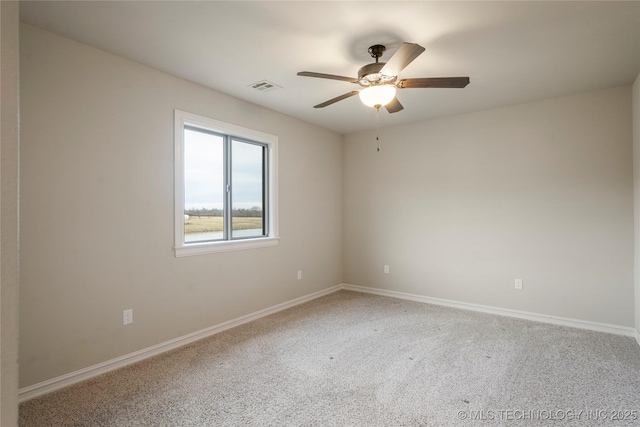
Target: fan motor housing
370	75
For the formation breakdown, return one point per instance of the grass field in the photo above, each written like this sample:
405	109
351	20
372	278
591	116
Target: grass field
201	224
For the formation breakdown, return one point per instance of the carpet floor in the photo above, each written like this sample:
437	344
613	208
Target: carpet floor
353	359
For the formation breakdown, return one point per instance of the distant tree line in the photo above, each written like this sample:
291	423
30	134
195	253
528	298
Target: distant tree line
252	212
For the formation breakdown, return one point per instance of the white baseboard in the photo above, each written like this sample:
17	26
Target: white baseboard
66	380
545	318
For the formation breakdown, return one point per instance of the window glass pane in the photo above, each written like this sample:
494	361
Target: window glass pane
247	189
203	186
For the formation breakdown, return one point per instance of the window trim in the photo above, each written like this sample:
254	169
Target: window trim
182	119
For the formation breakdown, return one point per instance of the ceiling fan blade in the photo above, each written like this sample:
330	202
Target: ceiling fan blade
327	76
403	57
336	99
394	106
444	82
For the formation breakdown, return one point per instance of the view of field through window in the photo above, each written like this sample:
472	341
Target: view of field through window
205	187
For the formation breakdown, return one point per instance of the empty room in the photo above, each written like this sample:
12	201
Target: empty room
320	213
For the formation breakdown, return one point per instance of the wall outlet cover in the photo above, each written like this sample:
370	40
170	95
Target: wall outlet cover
127	317
518	284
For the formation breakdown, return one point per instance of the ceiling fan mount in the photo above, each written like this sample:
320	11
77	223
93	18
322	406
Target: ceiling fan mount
385	74
376	51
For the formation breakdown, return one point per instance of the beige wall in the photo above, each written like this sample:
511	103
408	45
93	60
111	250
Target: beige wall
636	191
9	213
459	207
97	211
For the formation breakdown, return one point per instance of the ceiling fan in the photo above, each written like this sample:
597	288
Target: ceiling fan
379	80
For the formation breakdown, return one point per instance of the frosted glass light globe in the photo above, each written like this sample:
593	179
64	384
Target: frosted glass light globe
378	95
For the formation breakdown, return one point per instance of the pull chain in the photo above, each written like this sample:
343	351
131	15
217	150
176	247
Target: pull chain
378	127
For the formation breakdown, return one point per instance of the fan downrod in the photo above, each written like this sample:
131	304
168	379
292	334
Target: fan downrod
376	51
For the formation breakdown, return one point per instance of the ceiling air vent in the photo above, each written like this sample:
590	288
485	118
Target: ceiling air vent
265	86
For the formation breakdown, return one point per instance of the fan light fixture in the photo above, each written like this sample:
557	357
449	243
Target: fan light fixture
379	80
378	95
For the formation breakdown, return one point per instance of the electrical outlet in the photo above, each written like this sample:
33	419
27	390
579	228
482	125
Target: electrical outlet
518	284
386	269
127	317
299	274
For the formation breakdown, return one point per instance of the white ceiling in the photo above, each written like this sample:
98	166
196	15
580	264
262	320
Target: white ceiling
513	52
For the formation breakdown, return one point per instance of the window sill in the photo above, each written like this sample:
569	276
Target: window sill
226	246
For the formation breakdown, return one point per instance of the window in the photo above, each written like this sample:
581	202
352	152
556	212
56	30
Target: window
225	186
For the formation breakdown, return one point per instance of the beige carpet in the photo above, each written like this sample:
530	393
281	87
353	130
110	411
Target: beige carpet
363	360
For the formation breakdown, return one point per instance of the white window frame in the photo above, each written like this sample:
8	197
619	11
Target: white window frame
182	119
